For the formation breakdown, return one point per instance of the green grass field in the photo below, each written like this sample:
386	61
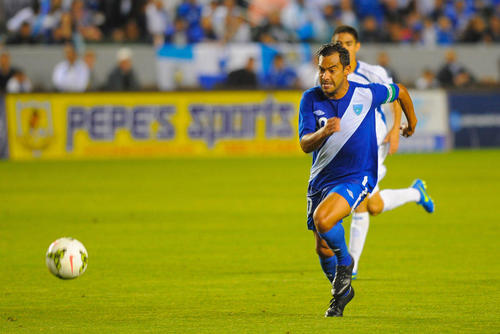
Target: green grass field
221	246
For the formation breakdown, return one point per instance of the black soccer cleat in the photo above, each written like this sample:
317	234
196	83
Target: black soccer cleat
342	281
337	304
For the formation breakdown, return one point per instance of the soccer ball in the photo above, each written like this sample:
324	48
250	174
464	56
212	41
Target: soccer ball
67	258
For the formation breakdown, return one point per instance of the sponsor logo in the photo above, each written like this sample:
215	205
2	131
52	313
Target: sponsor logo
34	125
212	123
102	122
319	112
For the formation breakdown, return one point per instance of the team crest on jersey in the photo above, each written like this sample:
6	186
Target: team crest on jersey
358	108
35	130
318	112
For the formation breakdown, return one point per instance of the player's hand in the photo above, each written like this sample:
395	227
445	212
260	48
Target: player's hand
393	139
332	125
407	130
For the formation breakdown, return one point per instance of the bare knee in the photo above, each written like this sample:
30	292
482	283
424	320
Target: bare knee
375	205
322	221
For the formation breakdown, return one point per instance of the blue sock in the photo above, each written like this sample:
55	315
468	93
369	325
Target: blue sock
336	241
329	266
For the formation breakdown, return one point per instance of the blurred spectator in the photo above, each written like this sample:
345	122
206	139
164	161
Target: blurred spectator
304	20
72	74
89	58
444	32
190	12
459	14
122	77
371	33
280	75
438	10
273	31
117	12
475	31
23	36
177	33
222	15
157	21
133	32
384	61
237	29
19	83
347	15
493	32
64	32
429	33
368	8
452	74
6	70
25	15
208	29
427	80
244	77
331	17
85	21
260	10
392	11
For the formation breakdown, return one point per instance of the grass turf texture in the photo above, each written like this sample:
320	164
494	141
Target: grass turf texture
221	246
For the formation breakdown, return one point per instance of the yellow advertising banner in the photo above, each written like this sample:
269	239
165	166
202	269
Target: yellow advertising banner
60	126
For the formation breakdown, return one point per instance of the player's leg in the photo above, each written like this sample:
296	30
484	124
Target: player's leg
390	199
328	262
327	258
328	222
327	219
360	224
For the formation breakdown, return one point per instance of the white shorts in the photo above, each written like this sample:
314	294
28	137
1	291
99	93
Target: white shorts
383	149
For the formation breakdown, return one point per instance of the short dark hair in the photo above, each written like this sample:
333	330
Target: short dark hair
331	48
346	29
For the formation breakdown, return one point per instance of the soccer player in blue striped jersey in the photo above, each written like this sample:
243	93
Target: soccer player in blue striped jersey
387	140
337	125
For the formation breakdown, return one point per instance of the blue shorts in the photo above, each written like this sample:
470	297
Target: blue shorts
354	193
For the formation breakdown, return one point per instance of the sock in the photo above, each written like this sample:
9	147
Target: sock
329	266
394	198
335	239
359	229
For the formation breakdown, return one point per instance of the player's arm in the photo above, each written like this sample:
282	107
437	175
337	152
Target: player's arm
392	136
312	141
407	106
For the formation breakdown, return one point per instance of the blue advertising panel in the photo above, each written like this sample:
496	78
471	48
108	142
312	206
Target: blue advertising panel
3	130
475	119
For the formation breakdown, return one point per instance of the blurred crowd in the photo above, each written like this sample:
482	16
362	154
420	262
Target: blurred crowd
79	25
180	22
75	73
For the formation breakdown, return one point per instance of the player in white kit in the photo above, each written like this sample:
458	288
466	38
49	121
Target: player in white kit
387	140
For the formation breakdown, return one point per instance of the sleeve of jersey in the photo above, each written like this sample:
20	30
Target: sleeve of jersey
307	122
385	93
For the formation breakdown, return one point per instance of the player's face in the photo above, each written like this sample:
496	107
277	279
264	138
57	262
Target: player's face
332	75
348	42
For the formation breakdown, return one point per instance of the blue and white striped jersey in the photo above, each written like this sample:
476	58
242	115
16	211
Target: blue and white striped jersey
350	154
